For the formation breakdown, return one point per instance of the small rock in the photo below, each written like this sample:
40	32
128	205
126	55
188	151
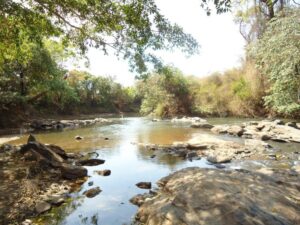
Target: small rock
220	166
31	138
26	222
104	172
106	138
144	185
90	162
78	137
191	155
152	156
90	183
197	146
219	159
292	124
92	192
42	207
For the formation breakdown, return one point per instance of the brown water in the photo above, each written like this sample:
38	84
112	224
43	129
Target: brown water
129	165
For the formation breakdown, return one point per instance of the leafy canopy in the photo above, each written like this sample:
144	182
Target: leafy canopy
133	28
277	55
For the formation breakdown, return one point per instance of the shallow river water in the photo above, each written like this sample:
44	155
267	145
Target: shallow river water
129	165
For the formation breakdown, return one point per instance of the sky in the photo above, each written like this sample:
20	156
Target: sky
221	45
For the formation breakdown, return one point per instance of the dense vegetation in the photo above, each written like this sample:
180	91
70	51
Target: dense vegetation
37	38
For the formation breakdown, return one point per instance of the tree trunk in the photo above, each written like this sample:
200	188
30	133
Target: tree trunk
22	84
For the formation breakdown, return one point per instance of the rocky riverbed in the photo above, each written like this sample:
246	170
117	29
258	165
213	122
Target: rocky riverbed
36	177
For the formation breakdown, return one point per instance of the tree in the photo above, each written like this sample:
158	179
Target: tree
277	56
165	93
133	28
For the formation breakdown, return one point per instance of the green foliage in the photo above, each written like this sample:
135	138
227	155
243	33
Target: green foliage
277	56
132	28
165	94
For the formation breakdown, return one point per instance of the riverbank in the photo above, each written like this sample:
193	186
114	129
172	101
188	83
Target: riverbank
37	177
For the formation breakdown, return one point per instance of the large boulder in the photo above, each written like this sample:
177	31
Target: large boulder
206	196
42	152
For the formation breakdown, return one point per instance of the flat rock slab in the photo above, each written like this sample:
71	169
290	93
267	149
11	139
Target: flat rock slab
208	196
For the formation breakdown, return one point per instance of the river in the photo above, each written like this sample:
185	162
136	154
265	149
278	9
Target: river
129	164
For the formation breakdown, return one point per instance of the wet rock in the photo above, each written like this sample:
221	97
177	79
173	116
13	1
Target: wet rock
90	162
209	196
92	192
278	122
58	150
78	137
106	138
104	172
91	183
73	172
155	120
235	130
31	138
191	155
292	124
144	185
219	158
73	155
197	146
42	207
152	156
42	152
204	125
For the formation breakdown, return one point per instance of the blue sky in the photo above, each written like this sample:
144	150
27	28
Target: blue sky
222	46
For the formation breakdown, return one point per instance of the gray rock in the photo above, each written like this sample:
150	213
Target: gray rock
208	196
219	158
78	137
235	130
91	183
42	207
